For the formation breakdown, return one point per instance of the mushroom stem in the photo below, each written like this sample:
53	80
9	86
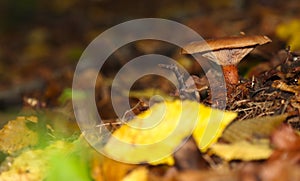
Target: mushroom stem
230	74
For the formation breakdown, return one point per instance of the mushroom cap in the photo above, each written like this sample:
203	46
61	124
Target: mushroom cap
227	50
225	43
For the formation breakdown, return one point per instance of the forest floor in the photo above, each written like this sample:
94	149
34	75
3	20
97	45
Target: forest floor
41	43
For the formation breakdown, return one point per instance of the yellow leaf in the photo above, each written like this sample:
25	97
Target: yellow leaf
140	174
29	166
290	32
154	135
211	125
242	151
15	135
36	165
32	165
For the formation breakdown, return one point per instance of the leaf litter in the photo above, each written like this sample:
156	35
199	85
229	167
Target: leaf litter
266	101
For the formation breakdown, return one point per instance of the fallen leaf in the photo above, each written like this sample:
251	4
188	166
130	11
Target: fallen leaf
252	129
104	168
291	157
29	166
290	32
279	171
207	175
155	134
188	157
211	125
285	138
143	139
242	151
60	160
15	135
140	174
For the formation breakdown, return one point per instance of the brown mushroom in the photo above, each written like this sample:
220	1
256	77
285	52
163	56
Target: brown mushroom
227	52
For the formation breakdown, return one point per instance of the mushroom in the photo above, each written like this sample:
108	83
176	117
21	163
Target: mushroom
227	52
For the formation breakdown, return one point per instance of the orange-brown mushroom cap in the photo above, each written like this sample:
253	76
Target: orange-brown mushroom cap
227	50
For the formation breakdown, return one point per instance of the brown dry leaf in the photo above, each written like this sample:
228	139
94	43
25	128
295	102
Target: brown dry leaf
15	135
252	129
279	171
291	157
188	157
242	151
206	175
285	138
